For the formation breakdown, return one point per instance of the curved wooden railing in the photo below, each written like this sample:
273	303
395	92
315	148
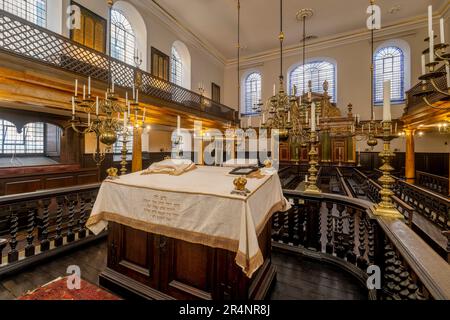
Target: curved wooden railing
44	223
433	182
345	232
27	40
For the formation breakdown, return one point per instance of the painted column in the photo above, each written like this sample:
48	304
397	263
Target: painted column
410	166
136	164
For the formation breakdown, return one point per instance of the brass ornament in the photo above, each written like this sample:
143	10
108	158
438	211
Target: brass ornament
112	173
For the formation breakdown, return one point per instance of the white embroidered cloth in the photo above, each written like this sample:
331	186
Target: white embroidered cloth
197	207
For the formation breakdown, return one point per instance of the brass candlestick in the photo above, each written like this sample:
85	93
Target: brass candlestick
123	163
386	207
313	162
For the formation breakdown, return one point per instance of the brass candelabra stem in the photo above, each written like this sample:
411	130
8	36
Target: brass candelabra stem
311	186
386	207
123	163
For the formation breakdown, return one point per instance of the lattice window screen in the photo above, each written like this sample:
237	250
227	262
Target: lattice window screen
29	141
123	39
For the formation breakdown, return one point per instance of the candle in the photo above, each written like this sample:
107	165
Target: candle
143	117
424	71
441	23
289	116
129	107
264	118
447	69
126	98
370	127
84	92
309	96
76	87
387	101
73	105
134	92
396	127
306	178
373	116
179	124
432	47
313	117
118	116
113	85
89	119
125	120
274	89
430	20
89	86
318	120
249	122
362	128
96	106
137	95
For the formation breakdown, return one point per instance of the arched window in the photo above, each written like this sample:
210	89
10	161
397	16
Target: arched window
252	92
176	67
123	39
29	141
389	64
317	72
34	11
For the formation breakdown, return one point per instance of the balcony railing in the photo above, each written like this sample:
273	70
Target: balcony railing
339	230
27	40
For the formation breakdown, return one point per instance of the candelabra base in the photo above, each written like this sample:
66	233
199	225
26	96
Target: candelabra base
387	212
312	189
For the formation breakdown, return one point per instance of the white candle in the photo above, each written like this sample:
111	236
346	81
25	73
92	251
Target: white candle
289	116
432	47
129	108
89	119
313	117
318	120
137	95
118	116
447	69
76	87
84	92
126	97
430	20
373	116
387	101
370	127
249	122
306	178
73	105
309	96
274	89
134	92
264	118
396	127
96	106
113	85
441	24
125	120
89	86
179	124
424	71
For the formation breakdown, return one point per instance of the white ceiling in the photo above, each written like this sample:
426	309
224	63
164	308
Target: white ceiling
215	21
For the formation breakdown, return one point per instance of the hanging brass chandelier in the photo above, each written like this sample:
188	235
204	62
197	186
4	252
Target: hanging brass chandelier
278	110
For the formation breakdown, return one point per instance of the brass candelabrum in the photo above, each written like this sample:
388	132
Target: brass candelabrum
124	152
386	206
311	186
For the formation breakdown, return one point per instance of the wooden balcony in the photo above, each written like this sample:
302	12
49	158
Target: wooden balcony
38	50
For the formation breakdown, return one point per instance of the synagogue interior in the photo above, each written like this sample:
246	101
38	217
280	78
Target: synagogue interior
224	150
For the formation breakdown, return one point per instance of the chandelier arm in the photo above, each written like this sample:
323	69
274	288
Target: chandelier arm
442	57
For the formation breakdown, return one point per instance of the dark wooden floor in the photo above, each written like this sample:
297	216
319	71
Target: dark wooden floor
297	278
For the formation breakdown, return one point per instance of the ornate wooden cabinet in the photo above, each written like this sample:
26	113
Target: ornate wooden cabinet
151	266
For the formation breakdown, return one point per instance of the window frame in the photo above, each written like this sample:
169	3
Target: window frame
245	111
318	88
176	63
124	36
37	145
27	3
379	87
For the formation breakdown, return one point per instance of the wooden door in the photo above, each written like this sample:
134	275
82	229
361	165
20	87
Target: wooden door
339	151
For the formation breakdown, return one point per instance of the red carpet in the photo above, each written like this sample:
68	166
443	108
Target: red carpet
57	290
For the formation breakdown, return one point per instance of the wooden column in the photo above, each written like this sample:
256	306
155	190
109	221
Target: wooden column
410	167
136	164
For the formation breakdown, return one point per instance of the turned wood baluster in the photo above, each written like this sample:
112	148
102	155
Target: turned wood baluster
285	236
13	255
84	199
59	219
319	226
371	241
362	261
32	209
45	243
351	256
71	199
330	245
301	222
276	226
340	250
296	223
